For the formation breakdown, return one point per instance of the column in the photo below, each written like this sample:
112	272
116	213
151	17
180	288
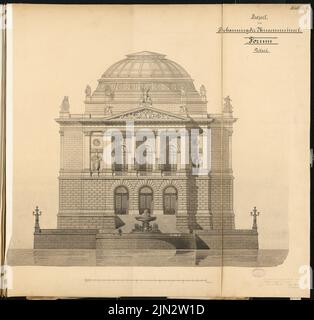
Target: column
86	151
131	155
130	146
157	151
184	148
178	153
107	152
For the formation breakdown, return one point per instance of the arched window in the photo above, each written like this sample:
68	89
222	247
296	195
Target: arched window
170	200
146	199
121	201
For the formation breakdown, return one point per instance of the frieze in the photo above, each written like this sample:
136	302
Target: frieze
147	114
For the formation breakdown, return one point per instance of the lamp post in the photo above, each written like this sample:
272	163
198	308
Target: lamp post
254	214
37	213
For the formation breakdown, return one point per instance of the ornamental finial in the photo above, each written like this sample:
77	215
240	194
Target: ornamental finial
254	214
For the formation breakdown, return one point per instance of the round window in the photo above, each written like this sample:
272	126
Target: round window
96	142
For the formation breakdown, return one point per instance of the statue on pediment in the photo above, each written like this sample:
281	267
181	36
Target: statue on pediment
108	110
183	109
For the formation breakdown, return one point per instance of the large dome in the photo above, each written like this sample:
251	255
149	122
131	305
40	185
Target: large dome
145	64
167	86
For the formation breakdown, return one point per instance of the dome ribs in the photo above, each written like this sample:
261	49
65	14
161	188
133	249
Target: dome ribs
170	86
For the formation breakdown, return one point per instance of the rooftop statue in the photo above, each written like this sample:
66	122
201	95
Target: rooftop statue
183	109
108	110
88	91
203	92
146	98
65	105
227	105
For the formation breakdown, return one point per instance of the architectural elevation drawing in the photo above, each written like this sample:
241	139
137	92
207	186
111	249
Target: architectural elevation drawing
156	151
146	175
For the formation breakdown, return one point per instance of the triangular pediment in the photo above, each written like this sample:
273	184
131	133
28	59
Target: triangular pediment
147	113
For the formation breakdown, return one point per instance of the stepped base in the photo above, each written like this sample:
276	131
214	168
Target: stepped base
101	239
146	241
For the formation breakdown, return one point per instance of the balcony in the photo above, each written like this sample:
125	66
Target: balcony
119	167
168	167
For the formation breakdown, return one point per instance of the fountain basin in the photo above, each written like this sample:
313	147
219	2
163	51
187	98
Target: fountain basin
145	218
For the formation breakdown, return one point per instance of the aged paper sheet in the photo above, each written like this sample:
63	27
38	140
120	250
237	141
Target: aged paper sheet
251	69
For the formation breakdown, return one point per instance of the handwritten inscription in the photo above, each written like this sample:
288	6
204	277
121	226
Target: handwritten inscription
258	30
259	34
261	50
261	41
259	17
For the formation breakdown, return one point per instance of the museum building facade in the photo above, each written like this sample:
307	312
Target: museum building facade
188	182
